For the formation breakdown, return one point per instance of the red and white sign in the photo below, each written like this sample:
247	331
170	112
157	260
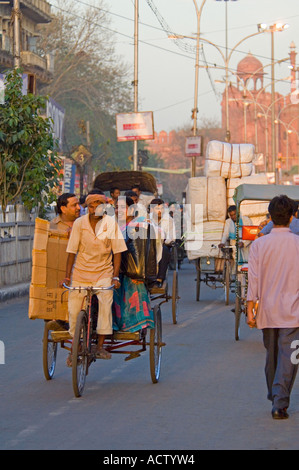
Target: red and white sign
193	146
296	179
134	126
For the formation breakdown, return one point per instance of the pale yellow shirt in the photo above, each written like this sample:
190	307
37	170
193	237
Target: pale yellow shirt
94	250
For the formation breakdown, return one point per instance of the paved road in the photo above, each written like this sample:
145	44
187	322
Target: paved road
211	394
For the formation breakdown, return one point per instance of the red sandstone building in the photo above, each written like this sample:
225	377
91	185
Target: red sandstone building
249	110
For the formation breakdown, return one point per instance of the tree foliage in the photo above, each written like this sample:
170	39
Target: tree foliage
90	81
29	167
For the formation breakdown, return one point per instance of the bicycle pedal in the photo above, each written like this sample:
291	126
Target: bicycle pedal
133	355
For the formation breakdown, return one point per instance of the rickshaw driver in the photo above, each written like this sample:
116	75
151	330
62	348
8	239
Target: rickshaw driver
229	232
94	257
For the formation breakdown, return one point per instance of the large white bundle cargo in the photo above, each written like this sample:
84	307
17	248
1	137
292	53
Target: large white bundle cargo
206	199
248	208
229	160
204	239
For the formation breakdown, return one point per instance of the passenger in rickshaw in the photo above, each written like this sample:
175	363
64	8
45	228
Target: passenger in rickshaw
68	210
131	304
164	227
139	208
229	233
114	194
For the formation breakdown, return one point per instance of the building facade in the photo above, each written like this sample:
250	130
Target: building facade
250	113
32	13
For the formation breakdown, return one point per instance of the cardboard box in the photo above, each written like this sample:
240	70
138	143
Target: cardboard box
48	304
48	269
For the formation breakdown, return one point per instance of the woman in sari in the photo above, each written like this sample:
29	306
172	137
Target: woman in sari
131	304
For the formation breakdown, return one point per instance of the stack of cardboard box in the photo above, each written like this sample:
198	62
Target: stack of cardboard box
48	268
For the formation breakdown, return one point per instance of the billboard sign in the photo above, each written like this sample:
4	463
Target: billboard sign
134	126
57	114
69	176
193	146
296	179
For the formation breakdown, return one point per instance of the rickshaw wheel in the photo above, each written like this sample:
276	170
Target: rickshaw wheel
227	281
49	354
238	311
155	351
79	354
175	297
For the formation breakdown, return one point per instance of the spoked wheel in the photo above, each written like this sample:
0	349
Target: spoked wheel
238	312
155	351
80	354
49	354
197	281
175	297
226	281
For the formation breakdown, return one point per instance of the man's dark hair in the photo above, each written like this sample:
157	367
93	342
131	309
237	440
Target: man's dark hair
113	189
130	194
157	202
281	209
137	186
63	201
295	206
129	201
231	209
96	191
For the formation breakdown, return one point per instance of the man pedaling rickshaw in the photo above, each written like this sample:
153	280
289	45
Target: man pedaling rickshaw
94	258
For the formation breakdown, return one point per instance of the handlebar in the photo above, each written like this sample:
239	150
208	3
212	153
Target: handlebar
91	288
229	247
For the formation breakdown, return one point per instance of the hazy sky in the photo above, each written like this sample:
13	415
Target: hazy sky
167	72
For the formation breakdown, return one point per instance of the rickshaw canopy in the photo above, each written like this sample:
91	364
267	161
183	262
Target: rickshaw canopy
125	180
263	192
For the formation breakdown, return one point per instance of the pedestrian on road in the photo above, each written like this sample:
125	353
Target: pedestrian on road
273	281
294	225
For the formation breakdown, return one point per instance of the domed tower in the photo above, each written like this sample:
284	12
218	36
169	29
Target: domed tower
250	74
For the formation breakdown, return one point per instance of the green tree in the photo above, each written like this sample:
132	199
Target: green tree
89	80
29	167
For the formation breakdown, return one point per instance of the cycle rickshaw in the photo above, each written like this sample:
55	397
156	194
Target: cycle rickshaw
251	192
83	345
215	272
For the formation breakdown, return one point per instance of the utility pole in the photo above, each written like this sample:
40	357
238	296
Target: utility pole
136	40
195	109
16	13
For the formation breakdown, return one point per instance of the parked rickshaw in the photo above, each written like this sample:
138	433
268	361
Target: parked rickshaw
251	192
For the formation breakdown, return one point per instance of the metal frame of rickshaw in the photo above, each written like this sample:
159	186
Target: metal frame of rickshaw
252	192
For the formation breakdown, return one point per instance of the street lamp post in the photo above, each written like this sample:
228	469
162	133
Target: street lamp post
135	83
277	27
227	137
195	109
17	33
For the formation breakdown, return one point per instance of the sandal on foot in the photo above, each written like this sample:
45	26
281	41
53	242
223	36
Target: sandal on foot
103	354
